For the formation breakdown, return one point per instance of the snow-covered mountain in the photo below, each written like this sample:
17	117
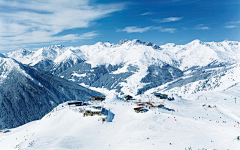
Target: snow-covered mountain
202	76
133	67
33	57
199	80
195	53
28	94
66	60
198	53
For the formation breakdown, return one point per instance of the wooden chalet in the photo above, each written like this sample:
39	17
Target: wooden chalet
128	97
138	109
80	103
161	105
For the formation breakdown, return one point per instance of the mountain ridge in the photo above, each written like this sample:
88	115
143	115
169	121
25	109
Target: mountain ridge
133	66
59	49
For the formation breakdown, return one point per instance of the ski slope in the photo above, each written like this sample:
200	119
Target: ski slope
190	125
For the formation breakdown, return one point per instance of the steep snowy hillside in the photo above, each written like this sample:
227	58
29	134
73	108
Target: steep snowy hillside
195	124
66	60
133	67
210	78
28	94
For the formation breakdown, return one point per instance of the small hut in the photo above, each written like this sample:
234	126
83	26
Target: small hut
161	105
140	110
128	97
163	96
97	98
140	104
79	103
157	94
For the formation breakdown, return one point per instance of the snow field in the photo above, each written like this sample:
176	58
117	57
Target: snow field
64	128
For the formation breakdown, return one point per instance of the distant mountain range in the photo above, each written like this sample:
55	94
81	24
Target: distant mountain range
39	78
132	67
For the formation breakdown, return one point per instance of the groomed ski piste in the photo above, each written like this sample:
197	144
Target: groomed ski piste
207	120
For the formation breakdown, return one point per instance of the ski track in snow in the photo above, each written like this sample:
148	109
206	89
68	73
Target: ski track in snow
228	113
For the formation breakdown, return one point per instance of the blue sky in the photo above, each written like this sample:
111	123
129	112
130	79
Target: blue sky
37	23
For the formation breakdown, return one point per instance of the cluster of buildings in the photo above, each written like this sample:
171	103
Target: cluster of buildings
93	107
163	96
142	107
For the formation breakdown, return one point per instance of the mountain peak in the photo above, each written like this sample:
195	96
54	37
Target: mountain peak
138	42
25	51
19	53
168	45
196	42
105	44
123	41
54	47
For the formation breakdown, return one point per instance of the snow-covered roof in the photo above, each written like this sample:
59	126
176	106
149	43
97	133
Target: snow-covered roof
93	110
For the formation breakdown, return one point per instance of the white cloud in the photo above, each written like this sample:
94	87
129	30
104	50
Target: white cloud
162	29
170	30
234	22
230	26
169	19
146	13
201	27
38	38
135	29
27	22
